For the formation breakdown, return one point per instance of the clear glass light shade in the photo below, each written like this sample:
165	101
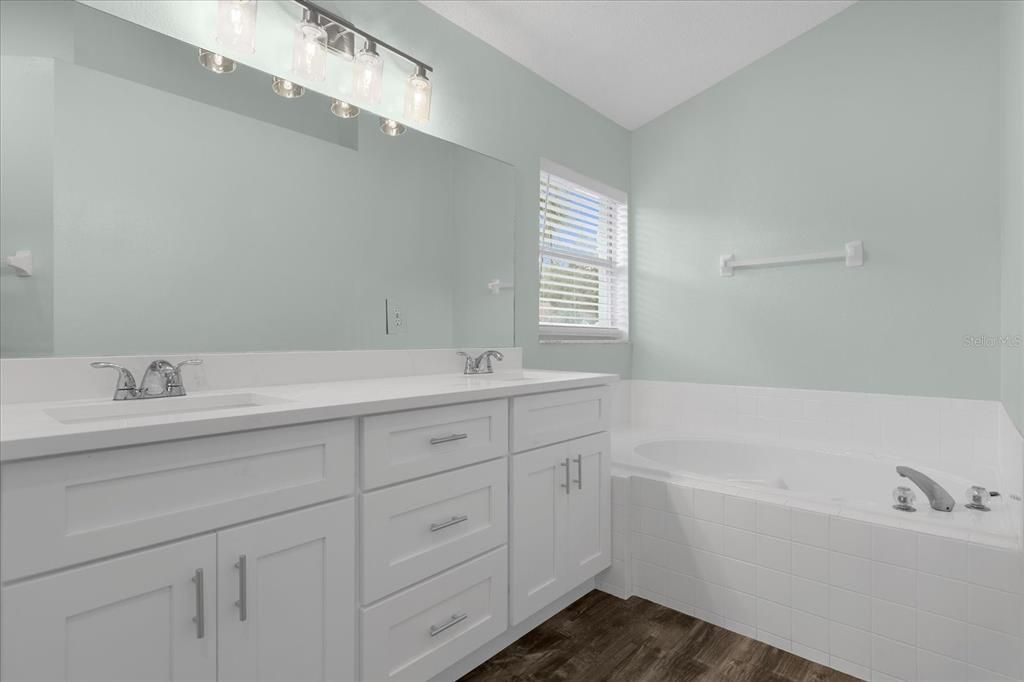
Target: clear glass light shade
368	74
236	24
417	98
309	55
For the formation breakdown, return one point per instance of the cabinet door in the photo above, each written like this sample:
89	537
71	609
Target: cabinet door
287	596
143	616
540	499
588	548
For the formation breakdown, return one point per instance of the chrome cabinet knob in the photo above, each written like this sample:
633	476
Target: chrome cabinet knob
977	498
904	498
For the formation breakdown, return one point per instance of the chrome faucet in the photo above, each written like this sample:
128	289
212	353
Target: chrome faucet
482	363
938	498
161	380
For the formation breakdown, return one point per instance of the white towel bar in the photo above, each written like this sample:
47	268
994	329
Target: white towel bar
852	253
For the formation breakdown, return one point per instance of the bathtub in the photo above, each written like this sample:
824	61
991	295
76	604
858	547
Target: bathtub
798	473
802	549
847	485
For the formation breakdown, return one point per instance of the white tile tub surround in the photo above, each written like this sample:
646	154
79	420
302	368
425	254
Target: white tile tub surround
27	380
874	601
1011	461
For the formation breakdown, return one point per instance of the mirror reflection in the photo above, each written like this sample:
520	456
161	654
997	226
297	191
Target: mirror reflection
168	208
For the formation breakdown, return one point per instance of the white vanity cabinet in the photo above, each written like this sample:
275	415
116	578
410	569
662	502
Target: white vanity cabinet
261	555
561	516
144	616
268	600
286	596
561	494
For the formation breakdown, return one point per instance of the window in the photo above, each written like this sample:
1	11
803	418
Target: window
584	259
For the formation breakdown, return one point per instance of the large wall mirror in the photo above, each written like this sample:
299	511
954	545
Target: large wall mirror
170	209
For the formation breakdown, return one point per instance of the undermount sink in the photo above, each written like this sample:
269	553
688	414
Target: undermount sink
127	410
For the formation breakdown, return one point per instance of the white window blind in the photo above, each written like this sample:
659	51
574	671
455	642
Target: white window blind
584	256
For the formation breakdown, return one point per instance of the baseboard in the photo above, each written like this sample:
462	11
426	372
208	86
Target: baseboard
614	590
457	670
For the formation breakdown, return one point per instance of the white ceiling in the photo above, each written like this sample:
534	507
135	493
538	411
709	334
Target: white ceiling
633	60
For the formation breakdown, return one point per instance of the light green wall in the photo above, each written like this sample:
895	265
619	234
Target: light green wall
879	125
1012	205
26	208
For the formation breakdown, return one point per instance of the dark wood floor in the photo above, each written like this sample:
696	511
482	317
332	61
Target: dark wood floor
601	637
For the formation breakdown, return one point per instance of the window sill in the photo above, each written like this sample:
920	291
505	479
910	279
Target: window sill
623	342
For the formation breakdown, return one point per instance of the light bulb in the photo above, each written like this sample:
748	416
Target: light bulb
391	127
368	73
343	109
285	88
309	55
236	24
214	62
417	96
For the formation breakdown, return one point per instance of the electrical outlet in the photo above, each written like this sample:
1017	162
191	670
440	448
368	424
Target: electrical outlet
395	321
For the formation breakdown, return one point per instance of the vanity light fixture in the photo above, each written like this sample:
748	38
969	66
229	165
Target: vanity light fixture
368	62
236	24
309	54
343	109
391	127
318	33
217	63
368	73
285	88
417	96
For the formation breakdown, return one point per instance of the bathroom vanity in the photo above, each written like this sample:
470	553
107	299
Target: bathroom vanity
376	529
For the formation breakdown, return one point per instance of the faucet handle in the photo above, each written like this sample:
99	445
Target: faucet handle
174	382
904	498
193	361
977	498
126	386
470	366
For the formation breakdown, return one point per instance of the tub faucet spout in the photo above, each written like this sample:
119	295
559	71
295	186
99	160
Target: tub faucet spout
939	499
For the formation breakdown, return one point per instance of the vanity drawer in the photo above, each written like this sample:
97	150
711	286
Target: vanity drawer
546	418
415	530
404	445
65	510
417	633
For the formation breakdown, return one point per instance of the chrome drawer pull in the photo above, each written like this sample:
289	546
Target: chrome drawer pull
434	527
449	438
243	584
200	617
566	484
435	630
579	468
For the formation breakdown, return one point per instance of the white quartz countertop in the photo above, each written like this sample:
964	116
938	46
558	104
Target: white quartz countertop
29	430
